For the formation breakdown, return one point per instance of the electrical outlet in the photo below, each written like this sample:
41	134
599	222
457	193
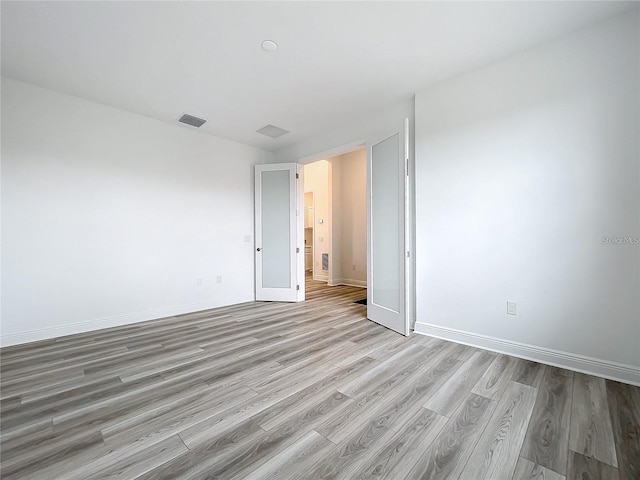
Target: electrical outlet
512	308
200	281
219	279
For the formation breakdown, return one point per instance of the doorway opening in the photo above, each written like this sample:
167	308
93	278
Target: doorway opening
279	229
335	221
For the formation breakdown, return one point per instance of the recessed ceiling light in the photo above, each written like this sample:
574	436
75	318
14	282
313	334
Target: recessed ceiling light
269	46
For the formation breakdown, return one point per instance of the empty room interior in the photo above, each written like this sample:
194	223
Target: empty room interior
320	240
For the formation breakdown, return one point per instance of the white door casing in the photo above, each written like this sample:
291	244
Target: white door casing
278	258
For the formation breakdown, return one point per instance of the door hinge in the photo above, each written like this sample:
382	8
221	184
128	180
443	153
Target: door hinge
297	287
297	250
407	169
407	254
297	175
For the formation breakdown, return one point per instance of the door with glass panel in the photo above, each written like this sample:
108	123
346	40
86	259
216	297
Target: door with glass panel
276	225
387	229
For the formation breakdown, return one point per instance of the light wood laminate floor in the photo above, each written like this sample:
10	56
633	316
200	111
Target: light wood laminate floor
303	391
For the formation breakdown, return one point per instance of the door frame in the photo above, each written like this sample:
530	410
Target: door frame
410	270
325	155
294	293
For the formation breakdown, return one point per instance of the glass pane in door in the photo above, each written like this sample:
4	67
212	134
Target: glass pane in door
385	223
276	256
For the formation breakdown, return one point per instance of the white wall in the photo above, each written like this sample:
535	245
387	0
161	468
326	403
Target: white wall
335	225
347	132
110	218
522	168
349	218
316	180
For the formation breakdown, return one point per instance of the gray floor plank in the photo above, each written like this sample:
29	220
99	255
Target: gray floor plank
585	468
591	432
547	439
294	462
263	389
527	470
624	410
408	385
496	378
446	456
496	453
402	451
528	372
460	383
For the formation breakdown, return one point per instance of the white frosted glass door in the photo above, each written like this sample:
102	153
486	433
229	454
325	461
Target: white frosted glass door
276	227
387	204
276	255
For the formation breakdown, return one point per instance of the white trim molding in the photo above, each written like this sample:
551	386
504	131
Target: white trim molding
109	322
348	281
602	368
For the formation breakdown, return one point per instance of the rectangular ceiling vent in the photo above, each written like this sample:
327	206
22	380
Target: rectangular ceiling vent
272	131
191	120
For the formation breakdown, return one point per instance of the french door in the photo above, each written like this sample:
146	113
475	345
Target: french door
277	255
387	229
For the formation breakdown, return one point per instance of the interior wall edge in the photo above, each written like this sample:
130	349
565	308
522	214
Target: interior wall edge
49	333
348	281
593	366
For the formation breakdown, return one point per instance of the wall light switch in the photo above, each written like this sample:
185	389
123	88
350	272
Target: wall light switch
512	308
219	279
247	239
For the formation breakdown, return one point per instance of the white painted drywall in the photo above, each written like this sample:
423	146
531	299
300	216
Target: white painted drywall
522	168
347	133
316	180
110	218
335	226
349	218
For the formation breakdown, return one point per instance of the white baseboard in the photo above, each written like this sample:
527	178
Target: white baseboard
108	322
592	366
348	281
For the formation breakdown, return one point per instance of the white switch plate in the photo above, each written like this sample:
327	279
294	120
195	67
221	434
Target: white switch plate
219	279
247	239
512	308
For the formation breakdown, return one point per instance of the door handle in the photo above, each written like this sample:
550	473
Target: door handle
258	249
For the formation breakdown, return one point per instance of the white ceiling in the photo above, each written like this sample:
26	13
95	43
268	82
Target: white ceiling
337	61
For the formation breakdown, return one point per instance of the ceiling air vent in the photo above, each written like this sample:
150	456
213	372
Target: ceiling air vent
191	120
272	131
